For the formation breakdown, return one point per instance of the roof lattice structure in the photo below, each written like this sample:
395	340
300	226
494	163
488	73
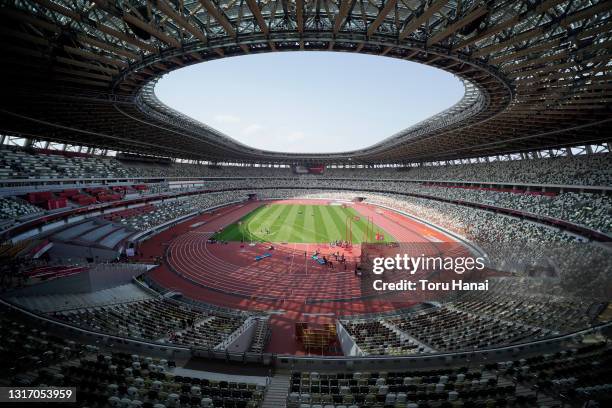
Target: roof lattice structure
537	74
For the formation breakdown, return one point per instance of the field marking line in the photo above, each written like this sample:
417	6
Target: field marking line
253	218
330	219
314	232
284	227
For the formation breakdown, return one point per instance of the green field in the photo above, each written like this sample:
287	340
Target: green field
298	223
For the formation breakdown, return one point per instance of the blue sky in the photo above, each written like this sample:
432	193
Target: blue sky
309	101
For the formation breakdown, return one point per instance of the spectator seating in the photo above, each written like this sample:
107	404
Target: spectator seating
130	212
514	310
168	211
121	379
576	377
526	301
445	329
586	170
581	376
409	389
25	347
16	208
375	338
156	320
32	357
20	164
150	319
209	332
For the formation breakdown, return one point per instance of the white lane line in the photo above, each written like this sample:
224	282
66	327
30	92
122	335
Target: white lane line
306	260
292	258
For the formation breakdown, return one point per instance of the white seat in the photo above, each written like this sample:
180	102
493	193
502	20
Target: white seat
172	400
114	401
156	385
112	389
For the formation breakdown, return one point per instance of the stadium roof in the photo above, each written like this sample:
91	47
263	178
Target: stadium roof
536	73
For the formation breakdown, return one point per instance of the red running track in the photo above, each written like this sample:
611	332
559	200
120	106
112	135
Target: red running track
290	285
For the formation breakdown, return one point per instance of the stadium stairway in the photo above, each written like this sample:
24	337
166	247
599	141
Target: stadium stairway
278	390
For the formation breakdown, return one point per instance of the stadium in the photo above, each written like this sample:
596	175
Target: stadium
149	259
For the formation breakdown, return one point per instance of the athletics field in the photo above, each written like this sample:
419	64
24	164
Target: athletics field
303	224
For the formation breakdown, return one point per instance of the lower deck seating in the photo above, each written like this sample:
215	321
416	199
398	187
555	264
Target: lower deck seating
416	389
374	338
33	357
156	320
124	380
514	310
578	377
530	302
209	332
24	347
445	329
149	319
574	376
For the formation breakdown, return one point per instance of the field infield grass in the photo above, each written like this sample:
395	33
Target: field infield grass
299	223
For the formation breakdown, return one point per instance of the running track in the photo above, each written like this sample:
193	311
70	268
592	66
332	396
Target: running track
289	284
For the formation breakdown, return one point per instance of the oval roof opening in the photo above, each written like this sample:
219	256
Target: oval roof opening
309	102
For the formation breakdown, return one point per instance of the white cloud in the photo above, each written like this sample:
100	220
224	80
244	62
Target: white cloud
226	118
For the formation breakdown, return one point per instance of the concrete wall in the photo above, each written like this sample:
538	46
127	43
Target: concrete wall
347	343
106	276
62	251
242	341
98	277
